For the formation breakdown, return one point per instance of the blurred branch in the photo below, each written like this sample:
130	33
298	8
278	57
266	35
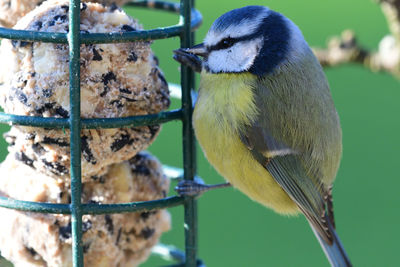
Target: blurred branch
346	49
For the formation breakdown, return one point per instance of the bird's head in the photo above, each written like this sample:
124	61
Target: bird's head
251	39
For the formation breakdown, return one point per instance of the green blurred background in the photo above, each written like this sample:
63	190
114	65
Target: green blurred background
233	230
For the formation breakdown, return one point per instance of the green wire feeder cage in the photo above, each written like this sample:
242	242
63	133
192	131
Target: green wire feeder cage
190	19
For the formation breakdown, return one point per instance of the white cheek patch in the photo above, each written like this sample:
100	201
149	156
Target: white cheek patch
237	58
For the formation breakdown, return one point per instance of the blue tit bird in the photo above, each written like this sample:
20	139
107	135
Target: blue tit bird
265	117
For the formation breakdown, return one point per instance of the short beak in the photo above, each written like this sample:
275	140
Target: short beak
189	56
198	50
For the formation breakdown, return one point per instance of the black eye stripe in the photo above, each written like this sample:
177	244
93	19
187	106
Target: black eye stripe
229	42
224	43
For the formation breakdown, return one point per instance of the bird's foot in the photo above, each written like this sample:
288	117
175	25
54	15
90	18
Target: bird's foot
187	59
196	187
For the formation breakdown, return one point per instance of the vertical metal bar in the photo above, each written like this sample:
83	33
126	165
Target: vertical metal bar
75	128
189	153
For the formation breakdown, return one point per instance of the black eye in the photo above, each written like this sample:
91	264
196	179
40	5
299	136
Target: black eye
226	43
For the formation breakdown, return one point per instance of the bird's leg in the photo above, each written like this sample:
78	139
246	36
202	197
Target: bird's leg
187	59
196	187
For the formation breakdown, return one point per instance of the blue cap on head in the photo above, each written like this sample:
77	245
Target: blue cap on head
236	16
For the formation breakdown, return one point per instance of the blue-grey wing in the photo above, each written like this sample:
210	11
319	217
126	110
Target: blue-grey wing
287	156
289	172
296	137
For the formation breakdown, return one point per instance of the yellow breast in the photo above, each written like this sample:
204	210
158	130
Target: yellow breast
226	103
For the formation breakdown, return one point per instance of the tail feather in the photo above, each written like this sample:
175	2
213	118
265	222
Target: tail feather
335	252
